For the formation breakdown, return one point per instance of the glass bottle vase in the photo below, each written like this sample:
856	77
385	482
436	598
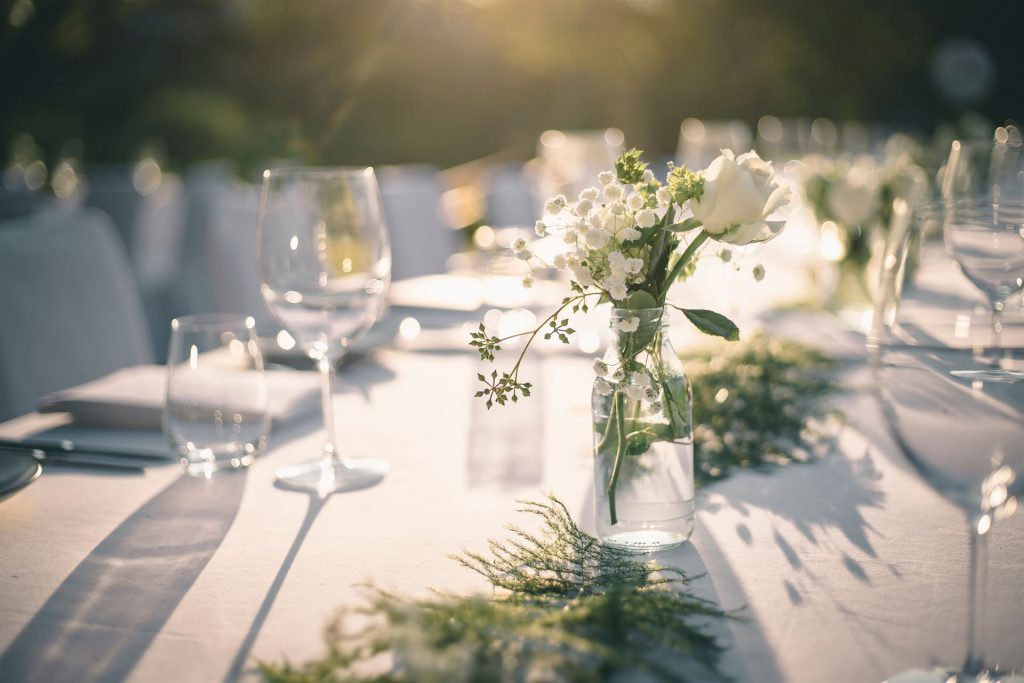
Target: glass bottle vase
643	437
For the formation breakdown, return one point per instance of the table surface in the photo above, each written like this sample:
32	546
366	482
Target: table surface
849	568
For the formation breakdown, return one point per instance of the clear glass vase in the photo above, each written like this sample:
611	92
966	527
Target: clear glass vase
643	437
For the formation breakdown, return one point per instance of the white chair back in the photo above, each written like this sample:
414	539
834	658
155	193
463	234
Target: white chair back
421	241
70	309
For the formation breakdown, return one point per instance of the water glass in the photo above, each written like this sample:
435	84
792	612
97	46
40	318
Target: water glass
215	414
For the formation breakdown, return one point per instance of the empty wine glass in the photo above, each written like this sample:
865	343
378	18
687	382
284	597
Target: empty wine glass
983	192
964	436
325	266
215	414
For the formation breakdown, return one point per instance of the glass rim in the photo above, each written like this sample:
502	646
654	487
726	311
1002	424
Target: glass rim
202	321
318	172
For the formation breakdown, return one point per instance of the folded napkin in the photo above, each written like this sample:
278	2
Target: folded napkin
133	398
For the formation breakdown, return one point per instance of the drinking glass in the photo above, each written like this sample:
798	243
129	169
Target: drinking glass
325	265
215	414
964	435
983	191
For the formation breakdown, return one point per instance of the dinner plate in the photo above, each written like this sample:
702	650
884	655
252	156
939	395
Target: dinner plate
17	470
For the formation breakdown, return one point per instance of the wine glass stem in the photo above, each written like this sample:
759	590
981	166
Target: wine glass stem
326	368
975	660
997	324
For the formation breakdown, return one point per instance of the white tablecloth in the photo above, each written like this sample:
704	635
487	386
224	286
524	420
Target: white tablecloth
846	569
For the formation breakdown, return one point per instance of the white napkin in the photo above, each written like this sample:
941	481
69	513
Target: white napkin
133	398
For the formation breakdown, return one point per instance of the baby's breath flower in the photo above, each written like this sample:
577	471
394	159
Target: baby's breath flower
583	277
528	281
654	407
633	392
617	209
570	237
541	228
524	255
606	177
629	324
758	272
518	245
634	265
646	218
590	194
663	196
635	202
629	234
561	262
641	379
555	205
596	239
602	387
617	262
618	374
725	255
616	288
600	367
613	191
651	394
583	207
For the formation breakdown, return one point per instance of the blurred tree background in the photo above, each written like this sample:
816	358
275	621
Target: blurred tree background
445	81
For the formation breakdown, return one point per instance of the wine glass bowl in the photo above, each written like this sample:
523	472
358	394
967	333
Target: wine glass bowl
325	263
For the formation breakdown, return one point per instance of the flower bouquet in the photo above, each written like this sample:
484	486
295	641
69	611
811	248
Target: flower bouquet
626	243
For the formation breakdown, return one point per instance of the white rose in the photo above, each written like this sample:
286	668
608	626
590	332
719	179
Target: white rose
853	198
740	192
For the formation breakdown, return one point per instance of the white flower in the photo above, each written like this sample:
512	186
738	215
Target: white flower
853	198
641	379
616	288
583	207
618	375
583	277
617	262
663	196
518	245
629	234
758	272
646	218
613	191
540	228
628	325
740	192
528	281
524	255
654	408
590	194
605	177
617	209
602	387
633	392
596	239
648	176
635	202
570	237
555	204
600	367
633	265
561	262
651	394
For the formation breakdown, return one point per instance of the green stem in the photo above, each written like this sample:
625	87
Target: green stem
620	449
696	244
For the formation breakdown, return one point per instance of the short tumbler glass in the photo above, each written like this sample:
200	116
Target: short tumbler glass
215	414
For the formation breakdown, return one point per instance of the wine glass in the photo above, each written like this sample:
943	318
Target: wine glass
983	191
963	435
325	265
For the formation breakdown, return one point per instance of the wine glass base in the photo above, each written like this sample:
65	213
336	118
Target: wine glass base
993	375
943	675
317	477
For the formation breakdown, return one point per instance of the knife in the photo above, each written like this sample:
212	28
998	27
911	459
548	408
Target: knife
65	448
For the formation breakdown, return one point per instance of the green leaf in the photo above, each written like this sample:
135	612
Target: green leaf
684	226
639	300
712	323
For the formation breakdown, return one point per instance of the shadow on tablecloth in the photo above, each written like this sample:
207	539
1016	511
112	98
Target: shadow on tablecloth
102	618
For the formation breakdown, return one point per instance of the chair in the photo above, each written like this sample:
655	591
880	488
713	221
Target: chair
421	242
70	309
